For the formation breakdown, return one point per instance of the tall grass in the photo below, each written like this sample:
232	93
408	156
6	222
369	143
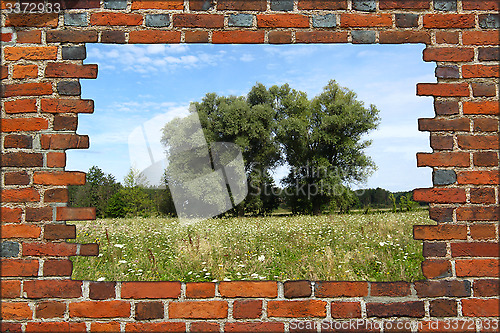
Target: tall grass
376	247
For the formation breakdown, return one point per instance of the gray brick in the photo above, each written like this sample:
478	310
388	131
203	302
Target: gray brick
115	4
282	5
444	177
74	53
364	5
489	21
445	5
240	20
69	88
75	19
406	20
447	72
324	21
363	37
157	20
10	249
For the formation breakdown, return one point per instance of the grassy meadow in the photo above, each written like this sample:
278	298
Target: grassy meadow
375	247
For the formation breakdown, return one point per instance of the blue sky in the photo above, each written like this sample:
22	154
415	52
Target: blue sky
149	84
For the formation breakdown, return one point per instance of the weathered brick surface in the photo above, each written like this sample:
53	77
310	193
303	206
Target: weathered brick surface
43	57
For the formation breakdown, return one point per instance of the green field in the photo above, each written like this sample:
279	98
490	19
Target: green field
375	247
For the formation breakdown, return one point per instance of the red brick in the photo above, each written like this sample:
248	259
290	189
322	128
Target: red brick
10	214
19	195
480	37
446	21
365	20
320	37
478	213
55	267
196	36
481	5
446	107
484	195
59	178
29	36
102	290
404	309
9	326
67	106
402	37
49	249
439	232
486	288
75	213
443	89
435	125
477	267
99	309
153	36
482	231
474	307
38	214
91	249
345	309
296	309
79	4
247	309
445	159
6	37
257	5
485	125
151	289
198	21
251	327
26	89
279	37
4	72
114	19
25	72
440	195
50	309
18	267
155	327
205	327
72	36
113	37
476	249
32	20
282	21
20	231
394	289
478	141
268	289
22	159
56	195
483	107
149	310
20	106
434	249
30	53
455	54
447	37
341	289
441	142
40	327
237	37
111	326
53	288
64	141
56	69
443	308
56	160
150	4
15	311
198	309
23	124
10	288
407	4
478	177
200	289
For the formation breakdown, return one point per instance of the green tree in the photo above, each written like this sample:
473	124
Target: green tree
322	141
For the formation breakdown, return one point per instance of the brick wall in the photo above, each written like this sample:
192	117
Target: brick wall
42	56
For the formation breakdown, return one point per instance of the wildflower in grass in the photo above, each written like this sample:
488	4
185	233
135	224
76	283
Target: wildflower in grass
119	245
101	279
261	258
